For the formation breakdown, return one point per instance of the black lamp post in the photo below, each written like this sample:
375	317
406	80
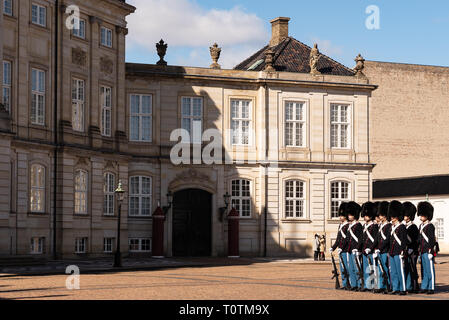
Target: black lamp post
169	200
120	196
222	210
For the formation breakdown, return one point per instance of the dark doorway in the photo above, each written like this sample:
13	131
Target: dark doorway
192	234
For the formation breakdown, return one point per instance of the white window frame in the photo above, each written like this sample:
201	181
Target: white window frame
139	242
37	245
440	228
7	82
141	116
37	93
81	245
106	110
335	202
297	203
237	122
41	18
78	102
339	123
108	244
190	117
295	124
81	31
39	189
140	196
238	198
81	193
109	194
5	11
106	37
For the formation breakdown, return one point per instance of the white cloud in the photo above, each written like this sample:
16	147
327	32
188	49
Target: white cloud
327	47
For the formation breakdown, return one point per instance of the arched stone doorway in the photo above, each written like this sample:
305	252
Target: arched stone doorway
192	223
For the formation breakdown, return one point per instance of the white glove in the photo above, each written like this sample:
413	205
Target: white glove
377	251
410	251
354	251
430	256
330	250
375	255
339	250
367	251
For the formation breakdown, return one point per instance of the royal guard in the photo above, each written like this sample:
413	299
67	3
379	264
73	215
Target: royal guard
354	236
409	213
398	246
376	208
427	243
340	244
381	246
366	246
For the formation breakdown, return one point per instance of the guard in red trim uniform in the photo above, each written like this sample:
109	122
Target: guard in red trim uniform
427	247
409	213
366	246
381	246
340	244
398	246
354	236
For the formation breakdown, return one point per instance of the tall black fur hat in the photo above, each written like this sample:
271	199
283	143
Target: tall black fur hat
425	209
395	210
382	209
343	210
353	209
376	208
409	210
369	209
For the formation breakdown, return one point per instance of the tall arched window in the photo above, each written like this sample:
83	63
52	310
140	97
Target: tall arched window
340	192
108	189
81	181
241	197
37	190
295	199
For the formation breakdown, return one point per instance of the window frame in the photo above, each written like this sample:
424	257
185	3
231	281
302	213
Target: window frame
439	228
108	194
140	244
296	183
339	125
339	199
80	242
140	115
295	123
140	196
240	198
191	117
83	29
105	244
40	245
106	31
85	192
106	131
12	8
38	188
80	103
38	22
240	119
35	94
7	85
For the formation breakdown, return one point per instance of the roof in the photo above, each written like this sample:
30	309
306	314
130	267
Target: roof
292	55
416	186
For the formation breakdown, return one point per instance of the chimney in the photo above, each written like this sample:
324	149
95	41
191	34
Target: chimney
279	30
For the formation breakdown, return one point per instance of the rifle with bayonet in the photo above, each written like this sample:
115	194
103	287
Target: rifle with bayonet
372	266
414	272
345	272
335	273
360	271
385	281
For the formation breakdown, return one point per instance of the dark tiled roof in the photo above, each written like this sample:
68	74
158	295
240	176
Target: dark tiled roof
419	186
292	55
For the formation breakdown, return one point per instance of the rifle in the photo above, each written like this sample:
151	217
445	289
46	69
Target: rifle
414	272
345	272
371	263
360	272
384	275
335	273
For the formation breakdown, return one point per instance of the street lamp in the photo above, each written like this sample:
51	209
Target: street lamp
120	196
169	200
222	210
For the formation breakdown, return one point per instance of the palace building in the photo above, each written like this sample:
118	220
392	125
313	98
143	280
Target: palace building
76	119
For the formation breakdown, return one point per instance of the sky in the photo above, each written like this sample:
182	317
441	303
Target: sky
410	31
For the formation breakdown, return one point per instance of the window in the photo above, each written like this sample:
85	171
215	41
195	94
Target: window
106	105
241	197
37	96
295	123
37	192
192	112
38	15
106	37
240	121
140	117
81	192
294	199
78	105
79	28
340	126
108	244
37	245
440	228
80	245
139	244
109	184
339	194
140	196
7	7
7	85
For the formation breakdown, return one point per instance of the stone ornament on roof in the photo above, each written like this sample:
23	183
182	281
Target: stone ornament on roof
359	66
313	61
269	58
215	55
161	48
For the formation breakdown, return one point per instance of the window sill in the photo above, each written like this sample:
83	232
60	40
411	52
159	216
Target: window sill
38	214
333	221
76	38
140	217
296	221
9	16
38	26
81	215
110	49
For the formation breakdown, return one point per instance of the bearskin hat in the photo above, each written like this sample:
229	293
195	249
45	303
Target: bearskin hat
382	209
376	208
395	210
343	210
425	209
368	209
353	209
409	210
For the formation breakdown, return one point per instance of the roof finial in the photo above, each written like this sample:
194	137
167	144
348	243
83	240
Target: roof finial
215	55
269	57
359	66
313	61
161	47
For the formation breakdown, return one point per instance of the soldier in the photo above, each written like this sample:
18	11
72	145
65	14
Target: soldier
353	239
340	244
426	247
366	246
381	245
376	208
409	212
398	244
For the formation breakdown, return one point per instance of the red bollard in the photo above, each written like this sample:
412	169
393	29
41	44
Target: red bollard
233	234
157	242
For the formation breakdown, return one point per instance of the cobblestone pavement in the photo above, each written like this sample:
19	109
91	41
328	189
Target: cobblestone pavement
243	279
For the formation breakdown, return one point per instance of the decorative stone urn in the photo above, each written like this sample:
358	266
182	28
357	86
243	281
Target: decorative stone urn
215	55
161	48
359	66
269	58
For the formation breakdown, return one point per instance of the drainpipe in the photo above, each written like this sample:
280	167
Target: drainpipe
55	126
266	169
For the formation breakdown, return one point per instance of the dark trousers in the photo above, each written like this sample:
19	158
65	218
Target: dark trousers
316	255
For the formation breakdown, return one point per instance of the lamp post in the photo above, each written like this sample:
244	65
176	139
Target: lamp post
169	200
226	198
120	196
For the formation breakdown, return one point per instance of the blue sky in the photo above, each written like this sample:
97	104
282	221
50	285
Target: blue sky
411	31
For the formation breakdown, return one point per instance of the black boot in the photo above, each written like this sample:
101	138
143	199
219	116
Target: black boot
430	292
